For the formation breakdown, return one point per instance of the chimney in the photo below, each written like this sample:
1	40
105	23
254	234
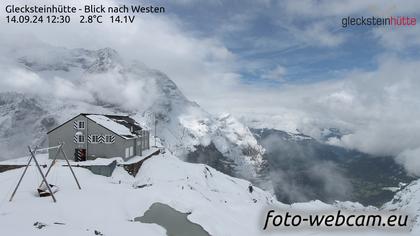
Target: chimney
132	129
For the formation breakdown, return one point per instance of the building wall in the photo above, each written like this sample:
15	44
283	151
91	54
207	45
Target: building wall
66	133
139	149
95	150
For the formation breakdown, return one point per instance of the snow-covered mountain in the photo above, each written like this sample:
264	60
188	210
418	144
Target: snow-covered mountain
408	201
50	85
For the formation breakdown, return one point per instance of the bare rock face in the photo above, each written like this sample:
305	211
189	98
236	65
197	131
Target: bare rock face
23	119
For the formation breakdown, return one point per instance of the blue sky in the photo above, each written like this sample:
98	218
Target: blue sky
264	35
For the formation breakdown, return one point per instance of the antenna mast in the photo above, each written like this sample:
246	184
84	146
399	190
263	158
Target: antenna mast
155	121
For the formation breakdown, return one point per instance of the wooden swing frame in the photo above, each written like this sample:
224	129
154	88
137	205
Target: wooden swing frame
44	177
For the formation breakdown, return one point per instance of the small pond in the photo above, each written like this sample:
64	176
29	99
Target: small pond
176	223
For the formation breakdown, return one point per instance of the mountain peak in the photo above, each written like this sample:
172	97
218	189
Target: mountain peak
106	59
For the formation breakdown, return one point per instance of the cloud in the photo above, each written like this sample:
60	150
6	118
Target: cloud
325	8
133	93
398	38
276	74
322	20
17	79
377	109
410	159
317	34
300	174
159	41
380	106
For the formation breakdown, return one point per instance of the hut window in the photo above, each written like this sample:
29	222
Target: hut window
131	151
109	139
127	152
95	138
81	124
79	137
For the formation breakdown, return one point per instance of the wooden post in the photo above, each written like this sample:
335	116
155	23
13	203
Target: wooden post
21	177
71	169
52	163
42	174
44	177
155	127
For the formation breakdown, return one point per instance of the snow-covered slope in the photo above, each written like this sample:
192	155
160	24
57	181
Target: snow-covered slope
408	200
221	204
53	84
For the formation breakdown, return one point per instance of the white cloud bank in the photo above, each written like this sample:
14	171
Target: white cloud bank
159	41
410	159
379	108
